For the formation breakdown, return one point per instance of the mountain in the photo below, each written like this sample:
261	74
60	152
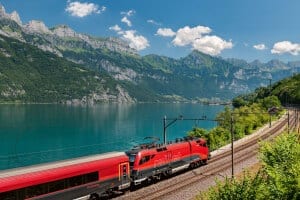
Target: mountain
28	74
126	76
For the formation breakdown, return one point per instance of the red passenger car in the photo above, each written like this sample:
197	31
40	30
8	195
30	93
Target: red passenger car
150	161
92	175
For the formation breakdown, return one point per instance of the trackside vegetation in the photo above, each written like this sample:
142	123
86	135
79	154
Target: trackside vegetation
279	175
287	91
245	120
278	178
250	111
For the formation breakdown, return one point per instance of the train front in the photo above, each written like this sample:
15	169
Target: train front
134	157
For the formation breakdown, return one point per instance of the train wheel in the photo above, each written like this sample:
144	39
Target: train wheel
167	172
132	187
157	178
192	166
94	197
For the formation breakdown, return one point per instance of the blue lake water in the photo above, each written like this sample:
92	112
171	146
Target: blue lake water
32	134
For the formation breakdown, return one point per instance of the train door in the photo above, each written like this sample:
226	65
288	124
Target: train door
124	172
169	156
168	162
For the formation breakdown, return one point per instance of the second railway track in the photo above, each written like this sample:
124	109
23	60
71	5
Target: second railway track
220	163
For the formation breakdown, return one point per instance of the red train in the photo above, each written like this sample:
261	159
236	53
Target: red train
100	174
67	179
152	161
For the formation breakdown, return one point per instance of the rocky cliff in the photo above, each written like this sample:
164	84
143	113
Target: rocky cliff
151	78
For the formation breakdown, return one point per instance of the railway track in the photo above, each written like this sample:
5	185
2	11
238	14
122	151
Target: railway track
219	163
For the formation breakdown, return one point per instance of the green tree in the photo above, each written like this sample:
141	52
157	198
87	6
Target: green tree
223	118
239	101
198	132
281	165
279	177
270	102
218	137
249	188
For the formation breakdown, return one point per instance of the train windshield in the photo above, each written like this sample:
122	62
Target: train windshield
131	158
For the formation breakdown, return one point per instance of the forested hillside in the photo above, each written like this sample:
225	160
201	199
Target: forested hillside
28	74
124	75
278	177
287	91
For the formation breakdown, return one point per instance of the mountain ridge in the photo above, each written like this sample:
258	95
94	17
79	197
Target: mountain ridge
150	78
30	75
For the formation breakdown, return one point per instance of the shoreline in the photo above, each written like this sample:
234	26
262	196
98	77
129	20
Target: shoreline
86	104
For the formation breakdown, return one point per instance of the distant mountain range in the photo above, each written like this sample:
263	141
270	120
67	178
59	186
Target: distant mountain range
47	65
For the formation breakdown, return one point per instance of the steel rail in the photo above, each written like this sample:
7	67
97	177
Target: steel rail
216	165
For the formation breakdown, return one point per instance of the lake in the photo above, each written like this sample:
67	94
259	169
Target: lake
32	134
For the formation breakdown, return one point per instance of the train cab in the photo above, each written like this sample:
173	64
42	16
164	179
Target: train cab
200	149
150	161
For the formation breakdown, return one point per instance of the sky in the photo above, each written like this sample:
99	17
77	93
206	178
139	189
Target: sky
243	29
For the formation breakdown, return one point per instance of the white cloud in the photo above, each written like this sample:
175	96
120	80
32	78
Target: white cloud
126	21
187	35
128	13
115	28
151	21
260	47
137	42
212	45
198	38
78	9
103	9
165	32
286	47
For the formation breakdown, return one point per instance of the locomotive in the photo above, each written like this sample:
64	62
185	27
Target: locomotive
101	174
149	161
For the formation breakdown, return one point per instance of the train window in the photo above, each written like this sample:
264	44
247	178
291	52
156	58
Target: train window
36	190
91	177
202	144
81	179
74	181
161	149
132	157
45	188
13	195
9	195
144	159
56	185
124	169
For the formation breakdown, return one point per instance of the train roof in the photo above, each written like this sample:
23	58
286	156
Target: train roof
159	147
58	164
